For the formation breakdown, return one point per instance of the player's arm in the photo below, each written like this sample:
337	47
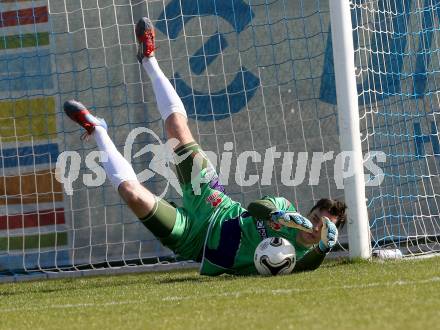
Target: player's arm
266	210
310	261
314	258
261	209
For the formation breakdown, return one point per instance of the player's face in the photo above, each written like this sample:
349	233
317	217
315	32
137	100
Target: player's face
316	218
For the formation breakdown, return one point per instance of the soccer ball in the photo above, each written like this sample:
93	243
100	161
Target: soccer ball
274	256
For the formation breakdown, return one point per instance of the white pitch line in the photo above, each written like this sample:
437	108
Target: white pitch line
67	306
235	294
276	292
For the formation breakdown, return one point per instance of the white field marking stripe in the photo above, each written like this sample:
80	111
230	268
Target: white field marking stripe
67	306
289	291
235	294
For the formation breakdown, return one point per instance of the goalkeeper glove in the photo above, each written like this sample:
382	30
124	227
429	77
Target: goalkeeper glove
292	220
329	235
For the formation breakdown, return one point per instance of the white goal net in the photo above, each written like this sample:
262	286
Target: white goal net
396	51
253	76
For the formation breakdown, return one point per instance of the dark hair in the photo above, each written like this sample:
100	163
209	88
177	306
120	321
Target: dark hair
334	207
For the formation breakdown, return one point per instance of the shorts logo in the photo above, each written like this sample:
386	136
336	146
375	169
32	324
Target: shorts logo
214	199
259	224
215	184
275	226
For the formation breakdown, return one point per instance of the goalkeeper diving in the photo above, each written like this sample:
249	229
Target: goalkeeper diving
210	227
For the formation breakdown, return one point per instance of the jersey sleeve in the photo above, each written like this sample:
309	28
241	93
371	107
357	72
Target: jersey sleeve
310	261
262	208
280	203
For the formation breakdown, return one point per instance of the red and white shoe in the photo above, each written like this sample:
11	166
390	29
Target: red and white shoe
145	35
79	114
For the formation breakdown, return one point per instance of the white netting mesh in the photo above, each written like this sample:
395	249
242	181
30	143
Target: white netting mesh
253	75
397	56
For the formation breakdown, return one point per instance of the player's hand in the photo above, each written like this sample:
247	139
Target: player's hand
329	235
292	220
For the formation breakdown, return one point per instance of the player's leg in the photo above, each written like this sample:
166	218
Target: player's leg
168	101
192	164
174	115
156	214
169	104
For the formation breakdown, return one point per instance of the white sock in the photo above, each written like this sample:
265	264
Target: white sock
117	168
167	99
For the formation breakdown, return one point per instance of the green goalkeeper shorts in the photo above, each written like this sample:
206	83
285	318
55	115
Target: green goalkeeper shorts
203	195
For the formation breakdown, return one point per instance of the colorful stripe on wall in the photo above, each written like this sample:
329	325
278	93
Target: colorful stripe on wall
24	16
28	67
32	219
30	188
26	71
34	259
39	241
22	120
24	40
25	156
12	1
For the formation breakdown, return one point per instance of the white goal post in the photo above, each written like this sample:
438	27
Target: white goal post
349	128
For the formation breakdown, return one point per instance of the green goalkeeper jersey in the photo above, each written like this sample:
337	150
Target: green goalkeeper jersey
233	236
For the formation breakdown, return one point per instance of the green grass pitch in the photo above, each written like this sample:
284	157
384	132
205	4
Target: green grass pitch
339	295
